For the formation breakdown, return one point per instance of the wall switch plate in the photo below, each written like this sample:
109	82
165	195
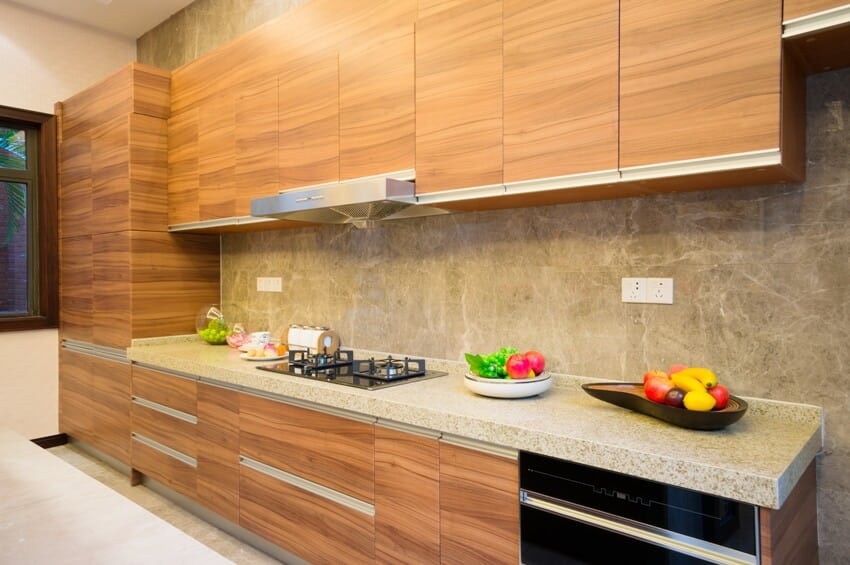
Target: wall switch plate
659	291
634	289
269	284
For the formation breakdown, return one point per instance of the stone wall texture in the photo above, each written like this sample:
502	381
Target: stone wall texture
762	274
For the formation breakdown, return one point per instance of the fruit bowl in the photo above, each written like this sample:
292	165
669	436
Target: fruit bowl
211	326
508	388
631	396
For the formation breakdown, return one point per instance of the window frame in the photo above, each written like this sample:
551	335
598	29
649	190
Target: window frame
47	219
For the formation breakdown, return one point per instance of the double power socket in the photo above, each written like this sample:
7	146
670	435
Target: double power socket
648	290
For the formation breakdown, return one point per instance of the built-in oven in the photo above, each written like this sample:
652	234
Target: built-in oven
572	513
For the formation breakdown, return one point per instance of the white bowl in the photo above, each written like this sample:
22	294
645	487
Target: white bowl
508	388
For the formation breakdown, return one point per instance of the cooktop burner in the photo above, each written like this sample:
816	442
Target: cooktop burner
342	368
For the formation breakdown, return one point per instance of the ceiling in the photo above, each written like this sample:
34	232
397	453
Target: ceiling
127	18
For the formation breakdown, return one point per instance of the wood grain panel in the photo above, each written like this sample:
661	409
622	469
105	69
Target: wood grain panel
172	276
789	536
95	402
256	131
561	66
75	186
183	175
315	529
459	96
218	450
308	139
161	467
479	507
216	157
175	433
407	501
75	289
110	147
710	84
133	88
376	93
169	390
793	9
148	171
333	451
111	290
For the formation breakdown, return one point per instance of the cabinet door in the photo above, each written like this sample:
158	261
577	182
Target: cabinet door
407	501
560	87
479	506
308	139
709	85
217	157
183	176
75	186
218	450
376	93
335	452
95	402
798	8
75	290
458	94
255	134
110	147
111	290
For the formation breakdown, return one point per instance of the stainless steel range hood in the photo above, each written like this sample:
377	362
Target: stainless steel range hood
358	202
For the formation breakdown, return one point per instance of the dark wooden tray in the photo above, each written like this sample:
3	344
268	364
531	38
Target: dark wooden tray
631	396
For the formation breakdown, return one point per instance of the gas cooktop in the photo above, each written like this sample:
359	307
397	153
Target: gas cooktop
341	368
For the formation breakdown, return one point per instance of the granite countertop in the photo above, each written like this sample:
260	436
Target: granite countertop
756	460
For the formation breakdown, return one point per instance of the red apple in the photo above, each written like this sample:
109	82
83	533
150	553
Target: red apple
656	389
537	361
653	373
676	368
721	396
518	366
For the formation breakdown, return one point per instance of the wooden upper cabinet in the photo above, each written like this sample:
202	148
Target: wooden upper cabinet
255	136
308	138
75	185
376	93
458	94
560	87
698	80
183	178
217	157
792	9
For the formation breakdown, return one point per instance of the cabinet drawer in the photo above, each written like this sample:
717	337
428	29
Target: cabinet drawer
310	526
169	390
174	472
330	450
177	431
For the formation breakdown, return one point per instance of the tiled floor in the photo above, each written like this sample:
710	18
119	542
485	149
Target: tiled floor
206	533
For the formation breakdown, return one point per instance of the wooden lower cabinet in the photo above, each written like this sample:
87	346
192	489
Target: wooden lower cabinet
163	424
479	506
94	402
217	485
407	497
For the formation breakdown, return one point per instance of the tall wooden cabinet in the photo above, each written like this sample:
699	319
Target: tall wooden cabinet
122	275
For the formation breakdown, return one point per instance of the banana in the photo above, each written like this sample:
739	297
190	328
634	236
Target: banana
686	382
703	375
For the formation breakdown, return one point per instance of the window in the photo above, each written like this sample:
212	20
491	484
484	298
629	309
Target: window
28	221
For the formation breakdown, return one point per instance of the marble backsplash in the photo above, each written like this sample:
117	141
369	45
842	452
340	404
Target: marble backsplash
762	274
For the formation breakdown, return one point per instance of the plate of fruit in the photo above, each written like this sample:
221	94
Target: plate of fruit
265	352
689	397
507	373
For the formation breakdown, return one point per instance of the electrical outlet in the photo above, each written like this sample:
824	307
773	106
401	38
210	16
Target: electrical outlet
269	284
634	289
659	291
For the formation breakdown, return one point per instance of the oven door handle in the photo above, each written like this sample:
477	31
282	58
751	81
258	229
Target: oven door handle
651	534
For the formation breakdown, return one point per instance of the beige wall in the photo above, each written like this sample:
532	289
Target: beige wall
762	281
44	60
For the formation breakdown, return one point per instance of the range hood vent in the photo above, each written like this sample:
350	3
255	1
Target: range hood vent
359	202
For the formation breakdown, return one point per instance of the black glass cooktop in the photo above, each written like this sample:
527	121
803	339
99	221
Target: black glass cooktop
345	374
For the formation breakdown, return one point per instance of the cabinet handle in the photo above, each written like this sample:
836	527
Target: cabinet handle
153	444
